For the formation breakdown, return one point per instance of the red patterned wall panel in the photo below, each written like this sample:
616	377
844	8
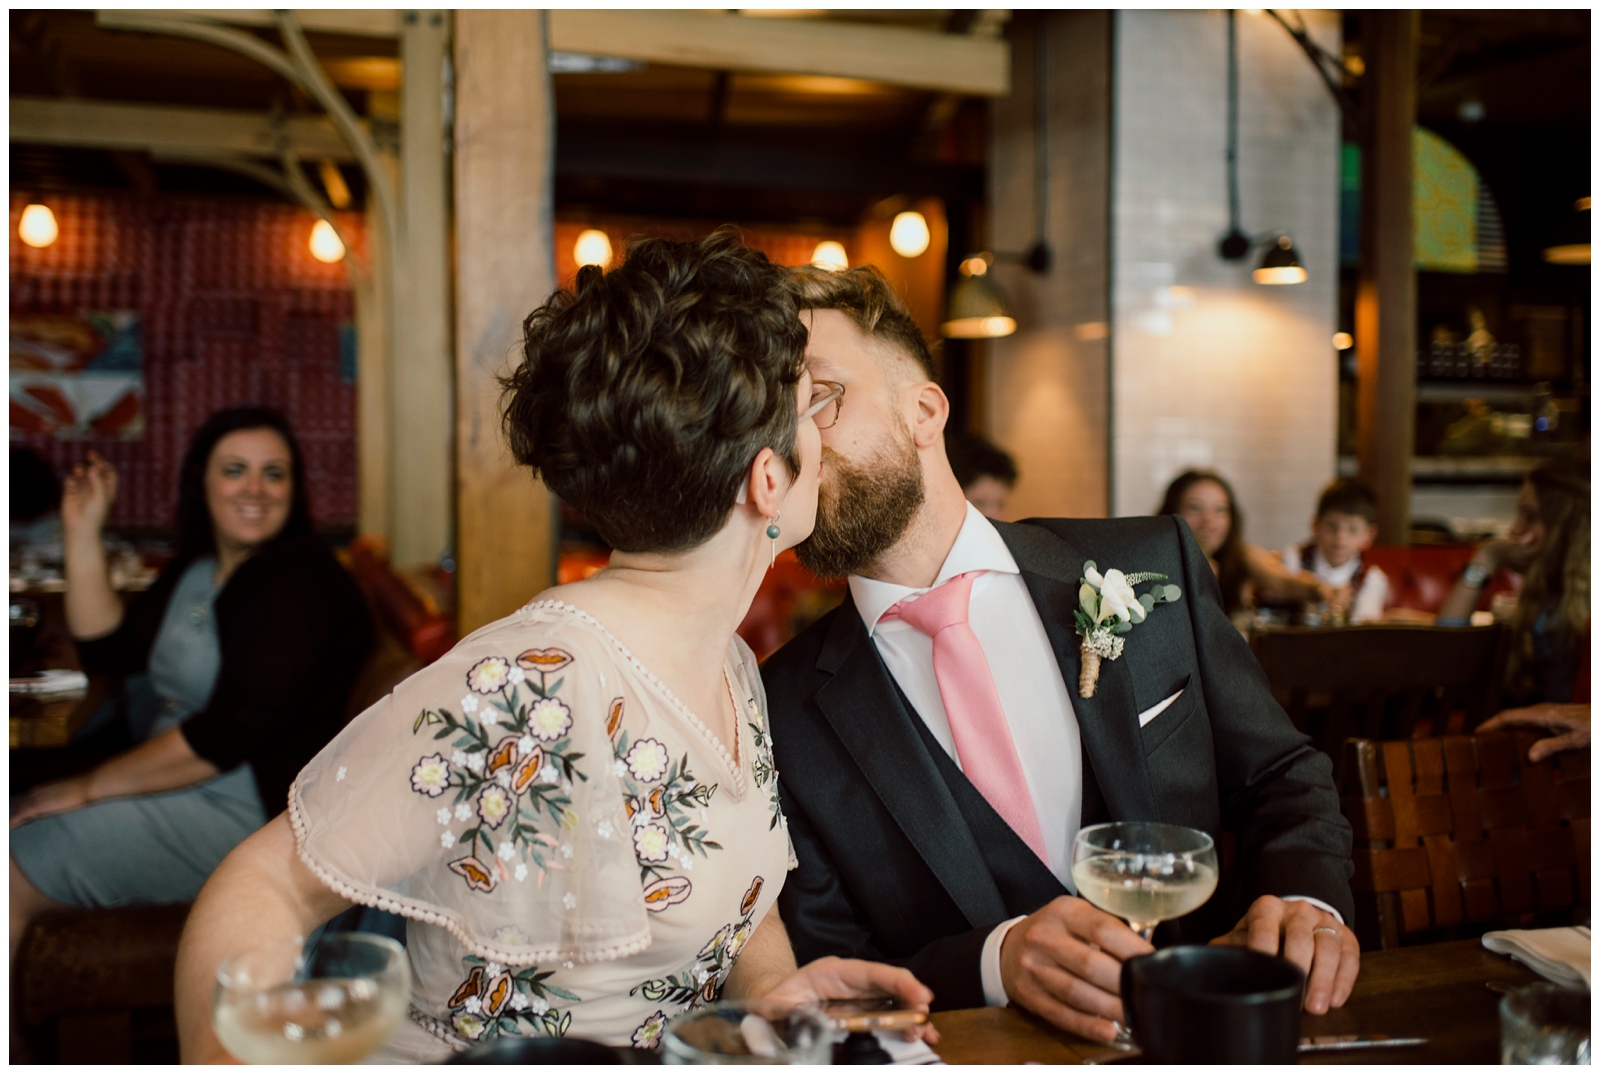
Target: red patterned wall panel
234	310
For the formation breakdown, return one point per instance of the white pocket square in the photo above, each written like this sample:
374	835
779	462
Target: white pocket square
1156	710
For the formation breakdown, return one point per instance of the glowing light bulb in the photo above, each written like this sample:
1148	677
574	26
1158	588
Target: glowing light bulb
325	244
909	234
592	248
1343	341
974	266
38	227
831	256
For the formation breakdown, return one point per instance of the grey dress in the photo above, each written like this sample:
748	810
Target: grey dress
153	848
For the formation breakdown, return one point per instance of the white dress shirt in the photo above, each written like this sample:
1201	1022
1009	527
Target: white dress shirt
1369	600
1033	694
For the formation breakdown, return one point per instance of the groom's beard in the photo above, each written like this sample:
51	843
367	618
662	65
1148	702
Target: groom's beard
863	511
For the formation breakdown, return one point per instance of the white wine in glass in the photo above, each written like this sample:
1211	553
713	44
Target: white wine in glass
1144	873
336	1004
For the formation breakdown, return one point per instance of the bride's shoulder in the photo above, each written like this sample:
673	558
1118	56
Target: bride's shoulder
542	638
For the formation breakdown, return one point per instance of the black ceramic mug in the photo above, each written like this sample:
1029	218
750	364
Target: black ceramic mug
1213	1005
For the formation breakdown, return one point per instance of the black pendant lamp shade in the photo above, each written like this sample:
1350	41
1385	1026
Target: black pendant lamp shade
1280	264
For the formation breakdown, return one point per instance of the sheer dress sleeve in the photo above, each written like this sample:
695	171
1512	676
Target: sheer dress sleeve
764	771
480	797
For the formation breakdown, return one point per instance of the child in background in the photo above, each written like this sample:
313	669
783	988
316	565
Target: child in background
1345	524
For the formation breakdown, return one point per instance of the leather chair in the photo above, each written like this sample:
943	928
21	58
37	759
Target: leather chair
1459	833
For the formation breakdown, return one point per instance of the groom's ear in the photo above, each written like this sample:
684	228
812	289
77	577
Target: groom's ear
931	415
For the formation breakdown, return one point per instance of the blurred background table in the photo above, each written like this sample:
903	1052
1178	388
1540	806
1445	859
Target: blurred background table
1437	991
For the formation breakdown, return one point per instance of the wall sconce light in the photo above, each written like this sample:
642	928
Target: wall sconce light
1572	247
1280	264
908	235
38	226
1343	341
325	244
592	248
978	308
830	255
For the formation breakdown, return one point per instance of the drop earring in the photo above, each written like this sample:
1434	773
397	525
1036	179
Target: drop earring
773	533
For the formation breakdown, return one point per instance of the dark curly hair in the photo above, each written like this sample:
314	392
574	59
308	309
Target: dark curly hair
196	532
645	392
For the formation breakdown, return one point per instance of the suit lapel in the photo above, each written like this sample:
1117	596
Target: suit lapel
864	709
1108	722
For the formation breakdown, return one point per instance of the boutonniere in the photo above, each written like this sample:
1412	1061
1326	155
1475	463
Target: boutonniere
1107	609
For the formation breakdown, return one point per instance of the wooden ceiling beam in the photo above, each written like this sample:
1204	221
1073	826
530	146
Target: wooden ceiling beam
160	128
920	59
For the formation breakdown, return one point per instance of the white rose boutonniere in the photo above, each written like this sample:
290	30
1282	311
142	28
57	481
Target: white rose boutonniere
1107	609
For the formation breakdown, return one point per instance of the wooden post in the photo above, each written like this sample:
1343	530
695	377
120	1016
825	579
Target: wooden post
504	167
421	374
1386	297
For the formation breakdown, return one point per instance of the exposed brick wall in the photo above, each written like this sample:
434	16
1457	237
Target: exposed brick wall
234	310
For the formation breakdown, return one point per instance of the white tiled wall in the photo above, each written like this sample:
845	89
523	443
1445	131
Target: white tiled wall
1208	367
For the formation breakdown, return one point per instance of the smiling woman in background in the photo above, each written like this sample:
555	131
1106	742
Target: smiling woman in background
1244	571
248	644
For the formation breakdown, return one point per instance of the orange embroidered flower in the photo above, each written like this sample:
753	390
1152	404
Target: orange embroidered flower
614	719
660	894
548	661
748	903
527	770
477	875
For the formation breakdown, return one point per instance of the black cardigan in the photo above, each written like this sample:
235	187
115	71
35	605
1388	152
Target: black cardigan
294	632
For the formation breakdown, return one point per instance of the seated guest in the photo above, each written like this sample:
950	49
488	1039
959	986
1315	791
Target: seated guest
250	640
987	474
1344	527
576	808
938	764
1547	673
1246	573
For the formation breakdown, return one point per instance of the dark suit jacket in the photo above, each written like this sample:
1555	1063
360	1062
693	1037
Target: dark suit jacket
902	860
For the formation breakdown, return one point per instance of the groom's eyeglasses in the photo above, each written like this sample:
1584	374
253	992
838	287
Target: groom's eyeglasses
827	399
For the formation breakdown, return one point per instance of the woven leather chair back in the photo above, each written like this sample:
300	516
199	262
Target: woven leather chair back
1379	681
1461	830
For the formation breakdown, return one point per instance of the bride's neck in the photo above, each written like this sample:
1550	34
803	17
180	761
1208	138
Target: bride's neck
676	611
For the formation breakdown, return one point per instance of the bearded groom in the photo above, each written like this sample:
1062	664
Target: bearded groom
943	735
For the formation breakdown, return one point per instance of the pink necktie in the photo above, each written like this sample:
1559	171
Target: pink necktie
977	722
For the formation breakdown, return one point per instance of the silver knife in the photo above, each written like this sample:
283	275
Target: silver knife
1354	1043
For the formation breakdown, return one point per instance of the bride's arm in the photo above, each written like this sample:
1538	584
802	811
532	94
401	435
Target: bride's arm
262	891
766	968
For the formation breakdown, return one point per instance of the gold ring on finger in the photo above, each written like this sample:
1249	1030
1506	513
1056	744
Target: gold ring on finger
1326	928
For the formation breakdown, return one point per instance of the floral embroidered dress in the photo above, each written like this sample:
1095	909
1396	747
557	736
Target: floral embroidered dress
576	853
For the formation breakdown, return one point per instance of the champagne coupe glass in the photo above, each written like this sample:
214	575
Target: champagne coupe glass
336	1003
1144	873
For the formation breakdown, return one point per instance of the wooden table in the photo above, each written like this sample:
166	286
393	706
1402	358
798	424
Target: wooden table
1435	991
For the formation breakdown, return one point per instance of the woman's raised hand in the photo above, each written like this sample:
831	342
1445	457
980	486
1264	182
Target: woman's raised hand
87	494
853	978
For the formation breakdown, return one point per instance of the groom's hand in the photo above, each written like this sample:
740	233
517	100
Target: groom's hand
1064	964
1326	951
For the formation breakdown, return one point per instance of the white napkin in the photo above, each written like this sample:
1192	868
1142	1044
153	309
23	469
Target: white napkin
56	682
1558	955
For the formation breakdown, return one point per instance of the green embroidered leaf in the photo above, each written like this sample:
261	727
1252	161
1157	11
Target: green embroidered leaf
560	993
554	689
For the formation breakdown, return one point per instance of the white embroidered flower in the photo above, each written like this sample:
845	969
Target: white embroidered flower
475	762
511	936
447	839
648	760
620	767
566	786
492	969
463	811
549	719
488	675
687	865
566	850
507	851
549	773
503	777
650	842
469	704
430	776
702	977
605	829
539	1005
443	816
567	965
570	901
1117	598
494	805
521	871
343	771
519	1002
469	1025
459	757
525	746
517	676
474	1004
